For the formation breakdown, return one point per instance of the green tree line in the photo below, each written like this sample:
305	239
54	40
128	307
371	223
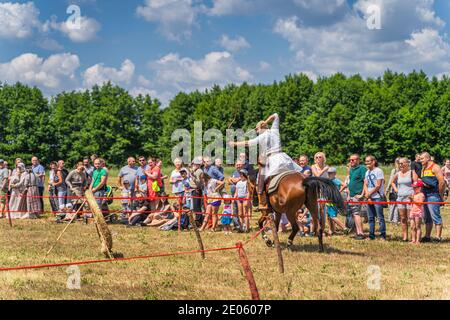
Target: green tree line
393	115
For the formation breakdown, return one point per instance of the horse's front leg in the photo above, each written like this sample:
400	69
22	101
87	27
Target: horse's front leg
262	227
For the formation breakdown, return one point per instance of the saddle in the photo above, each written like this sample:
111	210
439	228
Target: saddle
272	184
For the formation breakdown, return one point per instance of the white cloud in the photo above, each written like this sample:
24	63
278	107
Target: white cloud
31	69
311	75
142	81
399	18
228	7
264	66
348	46
320	6
175	18
233	45
99	74
49	44
188	74
313	12
429	45
18	20
87	30
21	21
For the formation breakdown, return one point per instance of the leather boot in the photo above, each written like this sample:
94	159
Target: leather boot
263	205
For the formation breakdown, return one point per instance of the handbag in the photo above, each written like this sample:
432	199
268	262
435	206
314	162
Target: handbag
393	196
155	186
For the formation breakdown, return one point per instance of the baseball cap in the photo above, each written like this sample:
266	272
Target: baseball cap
417	184
332	170
126	182
2	161
183	170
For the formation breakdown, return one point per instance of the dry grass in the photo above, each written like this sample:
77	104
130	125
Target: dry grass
408	272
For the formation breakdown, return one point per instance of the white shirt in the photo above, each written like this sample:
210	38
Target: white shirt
241	188
372	177
269	141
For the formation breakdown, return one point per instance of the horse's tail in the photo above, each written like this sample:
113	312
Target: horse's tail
324	189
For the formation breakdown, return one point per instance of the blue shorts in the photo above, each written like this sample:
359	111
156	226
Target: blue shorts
433	211
215	203
331	211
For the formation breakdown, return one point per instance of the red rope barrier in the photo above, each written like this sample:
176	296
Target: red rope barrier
133	198
388	202
156	255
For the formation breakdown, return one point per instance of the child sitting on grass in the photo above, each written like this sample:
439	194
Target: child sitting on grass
416	213
304	223
227	215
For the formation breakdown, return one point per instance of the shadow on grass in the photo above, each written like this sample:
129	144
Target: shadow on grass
315	249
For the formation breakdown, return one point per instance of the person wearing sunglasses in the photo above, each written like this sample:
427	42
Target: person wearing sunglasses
320	169
357	174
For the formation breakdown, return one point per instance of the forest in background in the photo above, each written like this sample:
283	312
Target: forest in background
393	115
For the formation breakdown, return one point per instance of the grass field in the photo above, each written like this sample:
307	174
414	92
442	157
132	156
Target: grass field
407	271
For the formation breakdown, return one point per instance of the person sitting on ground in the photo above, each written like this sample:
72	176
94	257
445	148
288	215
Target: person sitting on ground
163	213
172	224
304	223
138	216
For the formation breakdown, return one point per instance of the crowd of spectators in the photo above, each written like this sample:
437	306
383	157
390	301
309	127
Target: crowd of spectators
201	186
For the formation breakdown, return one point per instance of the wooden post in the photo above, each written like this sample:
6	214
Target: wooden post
276	241
247	271
197	234
180	208
7	209
205	203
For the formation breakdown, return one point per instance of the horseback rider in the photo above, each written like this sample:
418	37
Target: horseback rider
271	161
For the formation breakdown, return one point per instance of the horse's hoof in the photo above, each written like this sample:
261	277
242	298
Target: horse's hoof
270	243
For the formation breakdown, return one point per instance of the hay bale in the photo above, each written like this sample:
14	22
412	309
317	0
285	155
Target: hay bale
102	228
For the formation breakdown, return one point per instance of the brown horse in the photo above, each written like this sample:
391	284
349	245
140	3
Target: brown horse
295	191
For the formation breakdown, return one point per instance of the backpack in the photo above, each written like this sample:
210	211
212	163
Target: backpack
109	194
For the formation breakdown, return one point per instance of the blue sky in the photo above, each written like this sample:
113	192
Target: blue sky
161	47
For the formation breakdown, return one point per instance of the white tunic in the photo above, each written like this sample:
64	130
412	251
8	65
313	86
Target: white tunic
269	144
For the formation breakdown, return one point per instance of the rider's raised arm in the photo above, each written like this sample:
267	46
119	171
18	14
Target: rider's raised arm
276	122
248	143
275	119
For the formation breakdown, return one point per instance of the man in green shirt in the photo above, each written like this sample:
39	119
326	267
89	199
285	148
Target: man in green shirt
98	184
355	188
